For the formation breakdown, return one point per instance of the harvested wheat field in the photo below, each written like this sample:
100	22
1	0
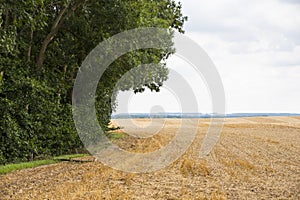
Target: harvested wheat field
255	158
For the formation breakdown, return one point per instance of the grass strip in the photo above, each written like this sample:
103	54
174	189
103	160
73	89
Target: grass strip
113	135
4	169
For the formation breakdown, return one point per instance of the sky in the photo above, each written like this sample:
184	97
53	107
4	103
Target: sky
255	46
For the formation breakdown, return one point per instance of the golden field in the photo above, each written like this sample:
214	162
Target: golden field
255	158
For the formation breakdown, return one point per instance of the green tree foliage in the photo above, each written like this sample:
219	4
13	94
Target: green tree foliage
42	45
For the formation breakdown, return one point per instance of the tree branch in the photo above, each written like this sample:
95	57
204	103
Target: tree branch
49	37
30	45
54	29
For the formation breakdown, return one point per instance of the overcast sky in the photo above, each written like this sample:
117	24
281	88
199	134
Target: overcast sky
255	46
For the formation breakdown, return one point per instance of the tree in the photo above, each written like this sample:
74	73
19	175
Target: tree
42	45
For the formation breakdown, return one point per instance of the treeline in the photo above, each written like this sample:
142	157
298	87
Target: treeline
42	45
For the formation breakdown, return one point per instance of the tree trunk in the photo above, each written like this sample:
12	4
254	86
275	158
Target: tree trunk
54	29
6	17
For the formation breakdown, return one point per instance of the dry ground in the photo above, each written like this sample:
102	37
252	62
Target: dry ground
255	158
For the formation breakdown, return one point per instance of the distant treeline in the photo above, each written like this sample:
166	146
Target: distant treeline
196	115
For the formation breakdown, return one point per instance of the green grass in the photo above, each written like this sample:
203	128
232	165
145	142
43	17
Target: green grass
12	167
115	135
68	157
4	169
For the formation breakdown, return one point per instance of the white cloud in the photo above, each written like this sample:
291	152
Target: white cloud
236	20
256	47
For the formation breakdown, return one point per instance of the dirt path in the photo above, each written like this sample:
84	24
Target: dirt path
256	158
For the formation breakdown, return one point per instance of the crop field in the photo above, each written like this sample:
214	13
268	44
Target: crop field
255	158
